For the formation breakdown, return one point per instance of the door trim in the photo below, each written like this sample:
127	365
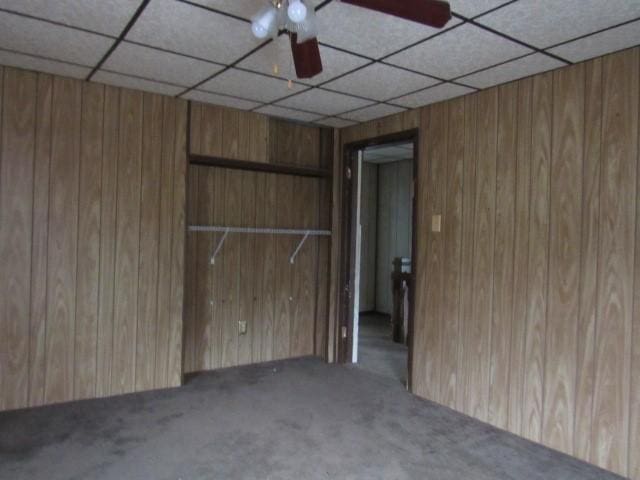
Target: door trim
347	244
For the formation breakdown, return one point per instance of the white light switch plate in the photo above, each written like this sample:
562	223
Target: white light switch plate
436	223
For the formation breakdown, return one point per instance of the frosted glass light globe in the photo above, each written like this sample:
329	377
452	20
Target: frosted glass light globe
258	30
264	23
297	11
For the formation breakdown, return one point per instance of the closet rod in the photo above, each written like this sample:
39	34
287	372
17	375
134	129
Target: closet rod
268	231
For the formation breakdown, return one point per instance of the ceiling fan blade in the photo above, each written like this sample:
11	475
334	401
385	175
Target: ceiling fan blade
434	13
306	57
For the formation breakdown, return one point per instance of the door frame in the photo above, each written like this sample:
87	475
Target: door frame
349	237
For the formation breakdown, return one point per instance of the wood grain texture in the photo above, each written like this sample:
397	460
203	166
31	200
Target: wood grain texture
324	252
565	235
246	294
453	253
336	236
39	242
86	333
484	247
538	257
466	287
435	205
258	316
204	271
225	132
420	255
127	242
563	332
304	276
16	212
108	214
283	269
232	254
165	245
589	260
268	270
219	278
83	196
293	144
634	404
195	138
149	227
634	410
3	341
520	256
252	279
230	133
610	428
191	265
502	315
259	138
62	249
211	131
179	228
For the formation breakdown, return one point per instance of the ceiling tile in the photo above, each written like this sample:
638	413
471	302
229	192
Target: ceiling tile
461	50
601	43
26	35
183	28
380	82
135	83
473	8
275	111
373	112
367	32
225	101
154	64
29	62
523	67
323	101
335	122
251	86
243	8
548	22
109	17
435	94
334	62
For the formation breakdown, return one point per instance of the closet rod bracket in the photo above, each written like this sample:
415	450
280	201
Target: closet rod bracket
219	246
295	253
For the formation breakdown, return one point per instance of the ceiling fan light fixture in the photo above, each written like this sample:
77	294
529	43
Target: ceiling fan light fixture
307	29
264	23
297	11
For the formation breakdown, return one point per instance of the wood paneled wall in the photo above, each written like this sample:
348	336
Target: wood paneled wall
92	219
229	133
284	305
528	301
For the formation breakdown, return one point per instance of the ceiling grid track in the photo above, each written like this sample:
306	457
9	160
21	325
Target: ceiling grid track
132	21
350	61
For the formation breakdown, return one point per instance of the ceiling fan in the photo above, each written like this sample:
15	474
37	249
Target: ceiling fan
299	20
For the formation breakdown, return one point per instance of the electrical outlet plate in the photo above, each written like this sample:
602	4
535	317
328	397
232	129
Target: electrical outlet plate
242	327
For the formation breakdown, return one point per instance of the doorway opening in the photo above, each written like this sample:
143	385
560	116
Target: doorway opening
379	227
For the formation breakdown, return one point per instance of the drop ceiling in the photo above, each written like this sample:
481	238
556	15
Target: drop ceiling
374	65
